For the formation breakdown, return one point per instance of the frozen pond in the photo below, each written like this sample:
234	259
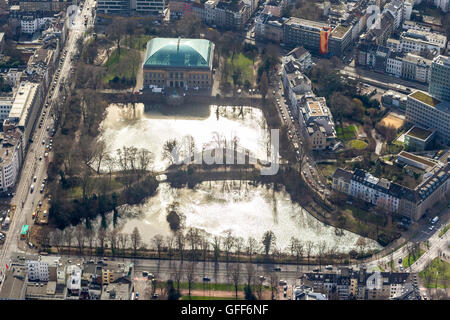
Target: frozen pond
214	207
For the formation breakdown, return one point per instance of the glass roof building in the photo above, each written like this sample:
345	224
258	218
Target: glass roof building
177	62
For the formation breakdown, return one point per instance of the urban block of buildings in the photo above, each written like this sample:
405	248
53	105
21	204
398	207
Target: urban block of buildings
33	277
412	203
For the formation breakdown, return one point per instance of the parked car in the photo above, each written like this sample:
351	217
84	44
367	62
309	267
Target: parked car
206	279
277	269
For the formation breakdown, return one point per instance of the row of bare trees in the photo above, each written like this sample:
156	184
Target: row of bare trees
96	241
192	245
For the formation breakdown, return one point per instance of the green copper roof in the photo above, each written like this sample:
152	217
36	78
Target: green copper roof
175	52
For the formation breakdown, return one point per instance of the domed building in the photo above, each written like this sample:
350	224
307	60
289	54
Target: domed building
178	63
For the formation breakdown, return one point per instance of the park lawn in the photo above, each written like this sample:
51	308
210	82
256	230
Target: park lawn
429	274
75	192
327	170
206	298
137	42
413	258
120	66
443	231
242	64
346	134
358	144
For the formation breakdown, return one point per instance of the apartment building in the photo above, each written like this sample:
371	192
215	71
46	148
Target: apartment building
296	84
318	122
301	57
306	33
430	113
440	78
418	41
23	113
392	197
5	107
395	7
416	68
269	27
11	159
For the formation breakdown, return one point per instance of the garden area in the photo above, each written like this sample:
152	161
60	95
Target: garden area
411	258
347	133
358	144
436	275
122	67
240	69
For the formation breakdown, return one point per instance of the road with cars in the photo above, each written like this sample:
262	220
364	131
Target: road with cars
37	158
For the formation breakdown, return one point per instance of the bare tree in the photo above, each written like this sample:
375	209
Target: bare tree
90	236
228	243
110	162
57	239
251	247
178	275
145	159
309	245
80	236
180	243
273	278
112	237
190	275
204	244
135	240
170	243
239	244
235	277
123	242
68	237
101	237
321	252
216	247
250	269
158	242
192	236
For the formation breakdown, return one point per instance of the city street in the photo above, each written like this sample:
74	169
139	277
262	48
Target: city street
35	163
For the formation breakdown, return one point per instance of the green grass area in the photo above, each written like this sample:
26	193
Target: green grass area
206	298
358	144
138	42
122	66
392	265
363	215
327	170
436	275
411	258
346	134
75	192
243	65
443	231
425	98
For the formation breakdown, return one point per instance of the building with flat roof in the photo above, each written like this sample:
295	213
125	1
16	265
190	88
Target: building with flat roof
418	139
416	161
440	78
430	113
418	41
178	63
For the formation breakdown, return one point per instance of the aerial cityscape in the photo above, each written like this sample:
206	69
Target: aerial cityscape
224	150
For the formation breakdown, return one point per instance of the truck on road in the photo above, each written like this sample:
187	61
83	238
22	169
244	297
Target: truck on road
435	219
